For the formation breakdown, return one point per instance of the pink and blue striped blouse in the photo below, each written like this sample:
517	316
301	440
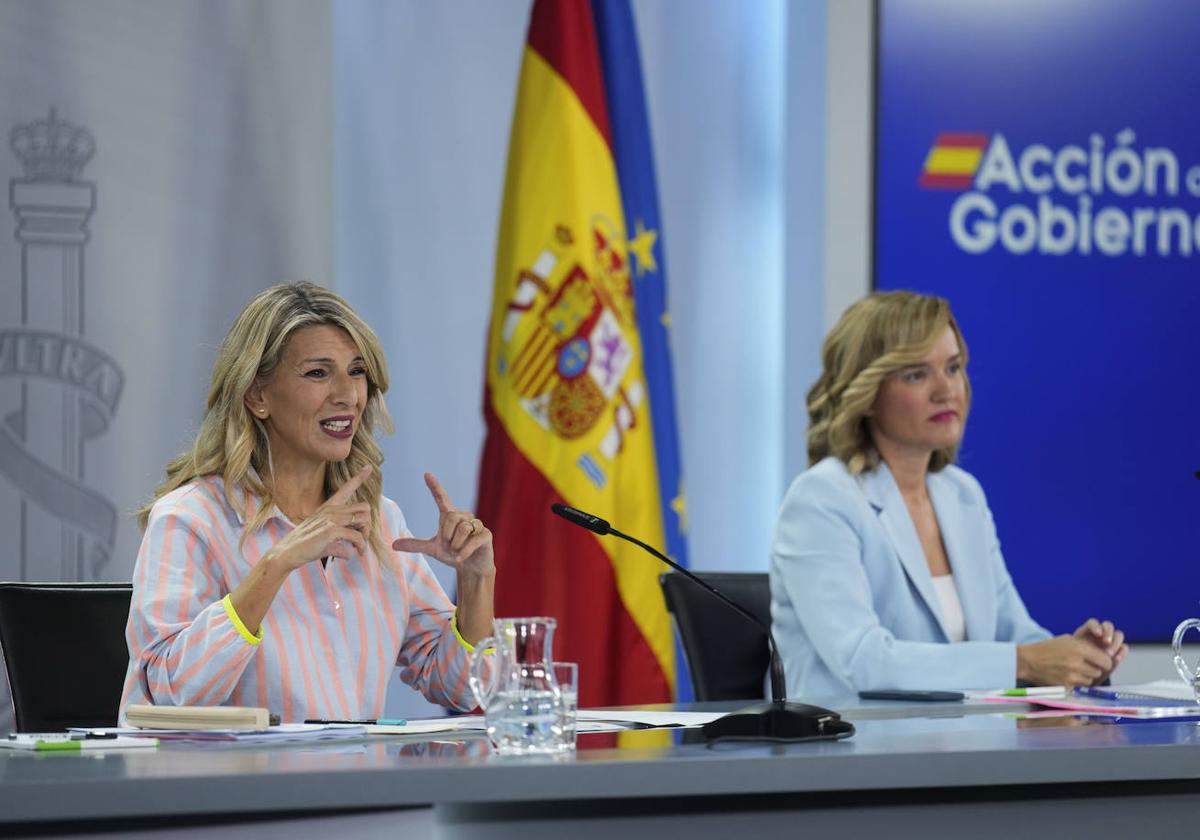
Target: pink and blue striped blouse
328	643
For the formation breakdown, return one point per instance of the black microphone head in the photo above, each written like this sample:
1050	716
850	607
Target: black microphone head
584	520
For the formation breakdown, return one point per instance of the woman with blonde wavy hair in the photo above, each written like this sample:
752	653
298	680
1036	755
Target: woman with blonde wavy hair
886	570
272	570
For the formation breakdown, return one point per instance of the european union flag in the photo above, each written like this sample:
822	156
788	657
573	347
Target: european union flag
634	158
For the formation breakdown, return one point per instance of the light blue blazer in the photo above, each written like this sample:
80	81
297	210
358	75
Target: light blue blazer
853	605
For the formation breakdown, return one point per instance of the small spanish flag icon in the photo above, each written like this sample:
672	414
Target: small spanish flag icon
953	160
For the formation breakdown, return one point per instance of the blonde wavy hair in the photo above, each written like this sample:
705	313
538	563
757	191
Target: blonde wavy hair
232	442
876	337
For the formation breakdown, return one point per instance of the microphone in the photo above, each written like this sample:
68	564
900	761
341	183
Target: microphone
600	526
775	720
584	520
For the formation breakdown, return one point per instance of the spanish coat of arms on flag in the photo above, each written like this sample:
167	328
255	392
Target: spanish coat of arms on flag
578	399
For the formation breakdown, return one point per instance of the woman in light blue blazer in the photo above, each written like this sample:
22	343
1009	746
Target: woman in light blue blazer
886	570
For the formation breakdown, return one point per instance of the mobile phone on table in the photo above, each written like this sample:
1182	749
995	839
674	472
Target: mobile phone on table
917	696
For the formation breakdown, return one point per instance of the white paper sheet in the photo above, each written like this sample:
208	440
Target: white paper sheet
650	718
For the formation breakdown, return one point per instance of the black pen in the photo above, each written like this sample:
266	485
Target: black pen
379	722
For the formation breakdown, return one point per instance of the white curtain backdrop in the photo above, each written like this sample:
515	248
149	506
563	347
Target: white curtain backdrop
211	178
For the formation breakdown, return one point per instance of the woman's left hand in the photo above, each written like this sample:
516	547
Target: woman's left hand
1106	637
462	541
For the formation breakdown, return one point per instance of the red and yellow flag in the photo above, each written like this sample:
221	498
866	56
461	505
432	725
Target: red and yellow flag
566	403
953	160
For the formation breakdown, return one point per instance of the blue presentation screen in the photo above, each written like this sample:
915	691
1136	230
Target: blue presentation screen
1038	164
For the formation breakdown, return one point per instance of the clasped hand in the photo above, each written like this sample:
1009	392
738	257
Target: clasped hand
461	542
1086	657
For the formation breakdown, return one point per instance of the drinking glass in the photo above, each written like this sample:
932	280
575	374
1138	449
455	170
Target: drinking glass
566	674
1189	674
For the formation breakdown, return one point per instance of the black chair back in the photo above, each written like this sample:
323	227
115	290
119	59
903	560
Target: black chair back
727	655
65	653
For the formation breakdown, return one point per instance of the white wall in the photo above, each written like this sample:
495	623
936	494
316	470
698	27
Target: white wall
716	79
849	120
1147	663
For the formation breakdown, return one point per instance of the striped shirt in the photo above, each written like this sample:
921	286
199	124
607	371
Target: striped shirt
328	643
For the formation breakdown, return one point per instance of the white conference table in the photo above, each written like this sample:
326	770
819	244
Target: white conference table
949	769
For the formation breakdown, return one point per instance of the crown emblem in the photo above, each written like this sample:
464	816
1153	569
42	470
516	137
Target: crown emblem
51	149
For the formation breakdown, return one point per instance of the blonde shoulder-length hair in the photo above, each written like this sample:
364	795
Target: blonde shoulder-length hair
232	442
877	336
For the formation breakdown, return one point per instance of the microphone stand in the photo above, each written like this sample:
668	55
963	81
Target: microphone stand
775	720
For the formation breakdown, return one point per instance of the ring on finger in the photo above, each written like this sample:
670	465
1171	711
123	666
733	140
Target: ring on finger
474	527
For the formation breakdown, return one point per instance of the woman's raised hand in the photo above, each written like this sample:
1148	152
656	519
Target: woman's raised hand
335	529
462	541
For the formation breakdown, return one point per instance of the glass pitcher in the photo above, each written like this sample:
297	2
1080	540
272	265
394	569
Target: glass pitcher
521	699
1190	675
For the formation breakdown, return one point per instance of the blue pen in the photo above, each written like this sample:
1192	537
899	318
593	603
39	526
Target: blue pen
1100	693
391	722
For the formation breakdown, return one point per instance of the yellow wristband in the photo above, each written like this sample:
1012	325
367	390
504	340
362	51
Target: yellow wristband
237	622
470	647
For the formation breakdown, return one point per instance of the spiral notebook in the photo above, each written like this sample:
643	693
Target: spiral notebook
1157	690
1155	700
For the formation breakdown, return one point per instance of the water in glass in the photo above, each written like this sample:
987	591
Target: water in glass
566	674
525	722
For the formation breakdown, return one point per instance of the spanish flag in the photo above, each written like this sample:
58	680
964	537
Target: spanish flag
953	160
578	397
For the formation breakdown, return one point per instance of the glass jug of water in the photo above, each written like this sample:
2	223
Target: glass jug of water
1190	675
521	699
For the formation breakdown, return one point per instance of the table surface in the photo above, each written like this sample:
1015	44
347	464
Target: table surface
896	747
